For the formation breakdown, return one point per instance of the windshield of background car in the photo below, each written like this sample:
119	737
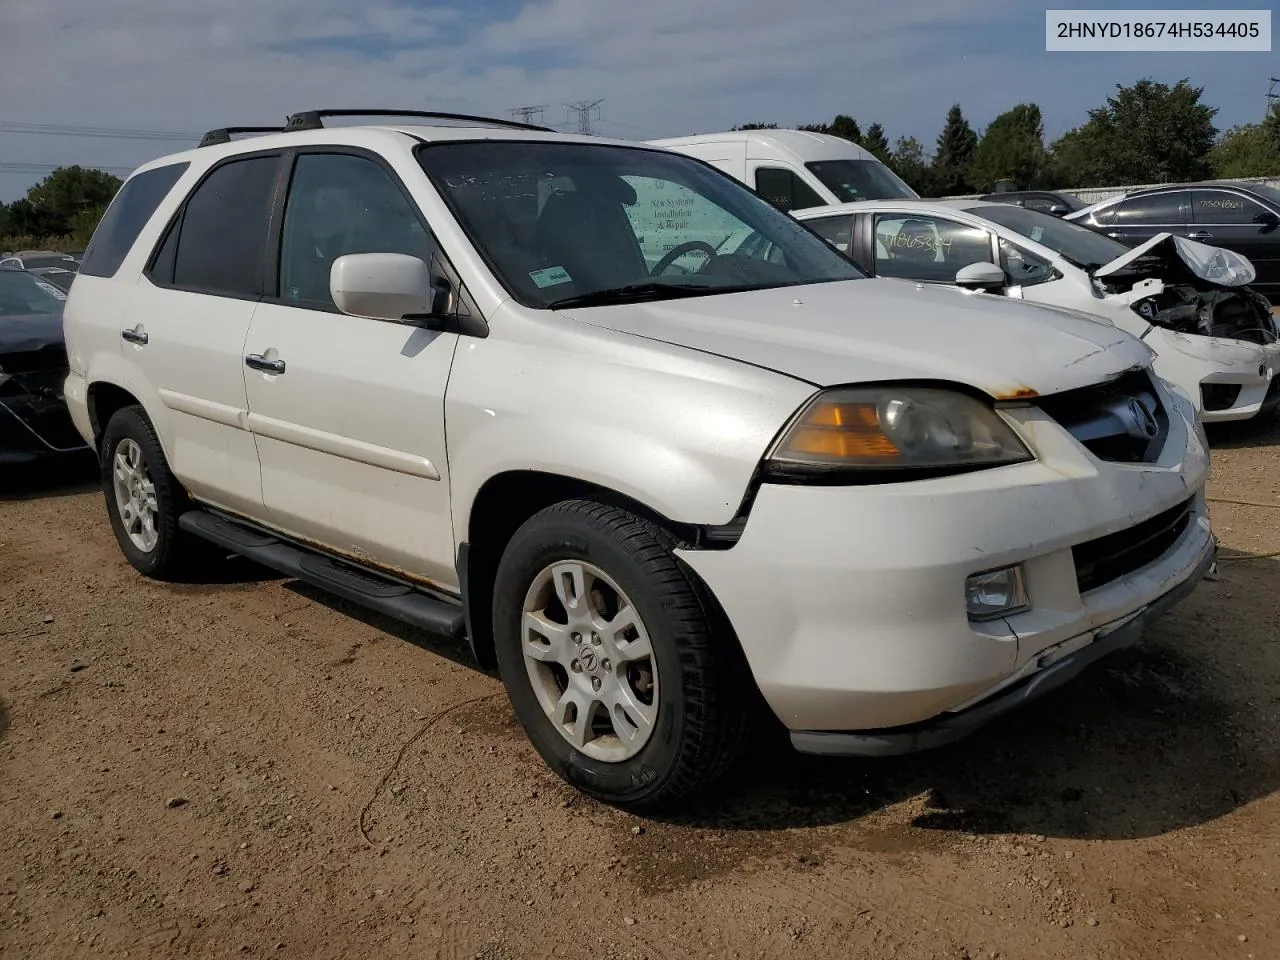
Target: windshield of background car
22	295
1266	193
853	180
561	221
1080	245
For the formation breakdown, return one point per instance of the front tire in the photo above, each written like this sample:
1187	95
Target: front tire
618	663
144	499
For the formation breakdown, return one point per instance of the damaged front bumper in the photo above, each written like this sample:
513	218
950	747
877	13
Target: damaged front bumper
35	424
1234	380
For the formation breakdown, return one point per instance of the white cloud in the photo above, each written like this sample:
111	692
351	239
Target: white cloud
663	67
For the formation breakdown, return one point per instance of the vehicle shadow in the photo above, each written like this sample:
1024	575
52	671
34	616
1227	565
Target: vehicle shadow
1175	732
1235	435
4	718
69	478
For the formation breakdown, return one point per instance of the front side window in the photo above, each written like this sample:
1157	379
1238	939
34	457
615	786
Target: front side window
785	190
1219	206
1157	209
837	231
571	223
852	180
126	215
223	232
927	248
340	204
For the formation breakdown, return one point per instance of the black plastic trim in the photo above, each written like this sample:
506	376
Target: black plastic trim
224	134
314	119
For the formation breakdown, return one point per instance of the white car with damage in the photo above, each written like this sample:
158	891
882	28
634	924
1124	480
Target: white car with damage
1213	336
453	373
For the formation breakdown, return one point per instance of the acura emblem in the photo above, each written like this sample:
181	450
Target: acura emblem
1143	420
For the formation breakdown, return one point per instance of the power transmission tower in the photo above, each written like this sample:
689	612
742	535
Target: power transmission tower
585	109
527	114
1272	97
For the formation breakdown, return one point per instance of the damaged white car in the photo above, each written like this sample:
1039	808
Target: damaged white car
1214	337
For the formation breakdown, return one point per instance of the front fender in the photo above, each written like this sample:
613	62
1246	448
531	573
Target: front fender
677	430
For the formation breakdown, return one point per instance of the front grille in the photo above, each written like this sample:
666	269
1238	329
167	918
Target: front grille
1099	562
1122	421
53	357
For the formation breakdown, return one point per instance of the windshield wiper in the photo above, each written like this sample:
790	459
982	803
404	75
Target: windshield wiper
651	290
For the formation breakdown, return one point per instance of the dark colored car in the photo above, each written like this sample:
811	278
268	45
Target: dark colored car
1043	201
35	425
1244	217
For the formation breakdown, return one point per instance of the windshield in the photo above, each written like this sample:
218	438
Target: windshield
22	294
1080	245
48	260
563	223
1266	192
852	180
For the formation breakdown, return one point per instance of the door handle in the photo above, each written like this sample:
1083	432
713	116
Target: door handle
1113	235
258	362
1201	235
134	336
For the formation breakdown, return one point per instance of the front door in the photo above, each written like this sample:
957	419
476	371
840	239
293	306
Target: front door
348	412
1223	218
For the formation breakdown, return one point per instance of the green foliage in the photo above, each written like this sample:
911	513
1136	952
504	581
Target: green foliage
68	202
956	144
1147	133
1012	148
755	126
843	126
908	161
1245	151
876	143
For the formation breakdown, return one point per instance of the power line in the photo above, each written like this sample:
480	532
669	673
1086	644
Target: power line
584	109
109	133
528	114
14	167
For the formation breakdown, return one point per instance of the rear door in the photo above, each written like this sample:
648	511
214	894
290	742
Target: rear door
185	334
350	422
1225	218
1140	218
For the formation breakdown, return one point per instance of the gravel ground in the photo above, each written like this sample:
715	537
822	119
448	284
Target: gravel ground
246	767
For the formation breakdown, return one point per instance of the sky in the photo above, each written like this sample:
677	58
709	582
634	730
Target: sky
661	67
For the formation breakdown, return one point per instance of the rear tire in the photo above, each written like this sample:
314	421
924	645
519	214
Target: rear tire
619	664
144	499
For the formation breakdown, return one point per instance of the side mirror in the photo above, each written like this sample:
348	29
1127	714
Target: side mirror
1268	218
981	276
1058	209
387	286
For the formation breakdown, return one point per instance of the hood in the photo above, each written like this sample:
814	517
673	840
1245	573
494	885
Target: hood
857	331
1179	255
29	332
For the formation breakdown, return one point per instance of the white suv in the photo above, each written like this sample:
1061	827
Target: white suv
464	376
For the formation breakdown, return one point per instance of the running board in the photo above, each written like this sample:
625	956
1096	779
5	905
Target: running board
357	584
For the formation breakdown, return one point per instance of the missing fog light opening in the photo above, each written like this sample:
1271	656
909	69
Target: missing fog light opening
996	593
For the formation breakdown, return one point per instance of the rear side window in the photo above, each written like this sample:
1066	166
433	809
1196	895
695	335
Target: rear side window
785	190
222	234
125	218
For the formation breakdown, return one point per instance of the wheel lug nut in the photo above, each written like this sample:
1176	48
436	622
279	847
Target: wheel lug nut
577	667
595	639
606	664
595	683
577	637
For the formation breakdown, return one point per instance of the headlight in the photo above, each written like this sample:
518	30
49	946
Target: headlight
893	428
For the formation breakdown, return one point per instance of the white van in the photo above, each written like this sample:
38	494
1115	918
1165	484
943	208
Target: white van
796	169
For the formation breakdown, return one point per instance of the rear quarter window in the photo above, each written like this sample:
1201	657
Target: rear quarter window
125	218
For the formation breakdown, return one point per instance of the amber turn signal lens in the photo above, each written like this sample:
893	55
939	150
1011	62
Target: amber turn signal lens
842	431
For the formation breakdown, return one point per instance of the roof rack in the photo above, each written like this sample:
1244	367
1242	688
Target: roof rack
313	119
224	134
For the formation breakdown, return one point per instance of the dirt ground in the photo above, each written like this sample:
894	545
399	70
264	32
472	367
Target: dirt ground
245	767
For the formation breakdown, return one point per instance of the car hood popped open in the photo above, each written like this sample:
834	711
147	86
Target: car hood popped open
858	331
1213	264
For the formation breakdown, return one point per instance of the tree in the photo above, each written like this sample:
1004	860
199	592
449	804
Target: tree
70	191
1011	148
1245	151
756	126
876	143
843	126
956	144
1147	133
908	162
